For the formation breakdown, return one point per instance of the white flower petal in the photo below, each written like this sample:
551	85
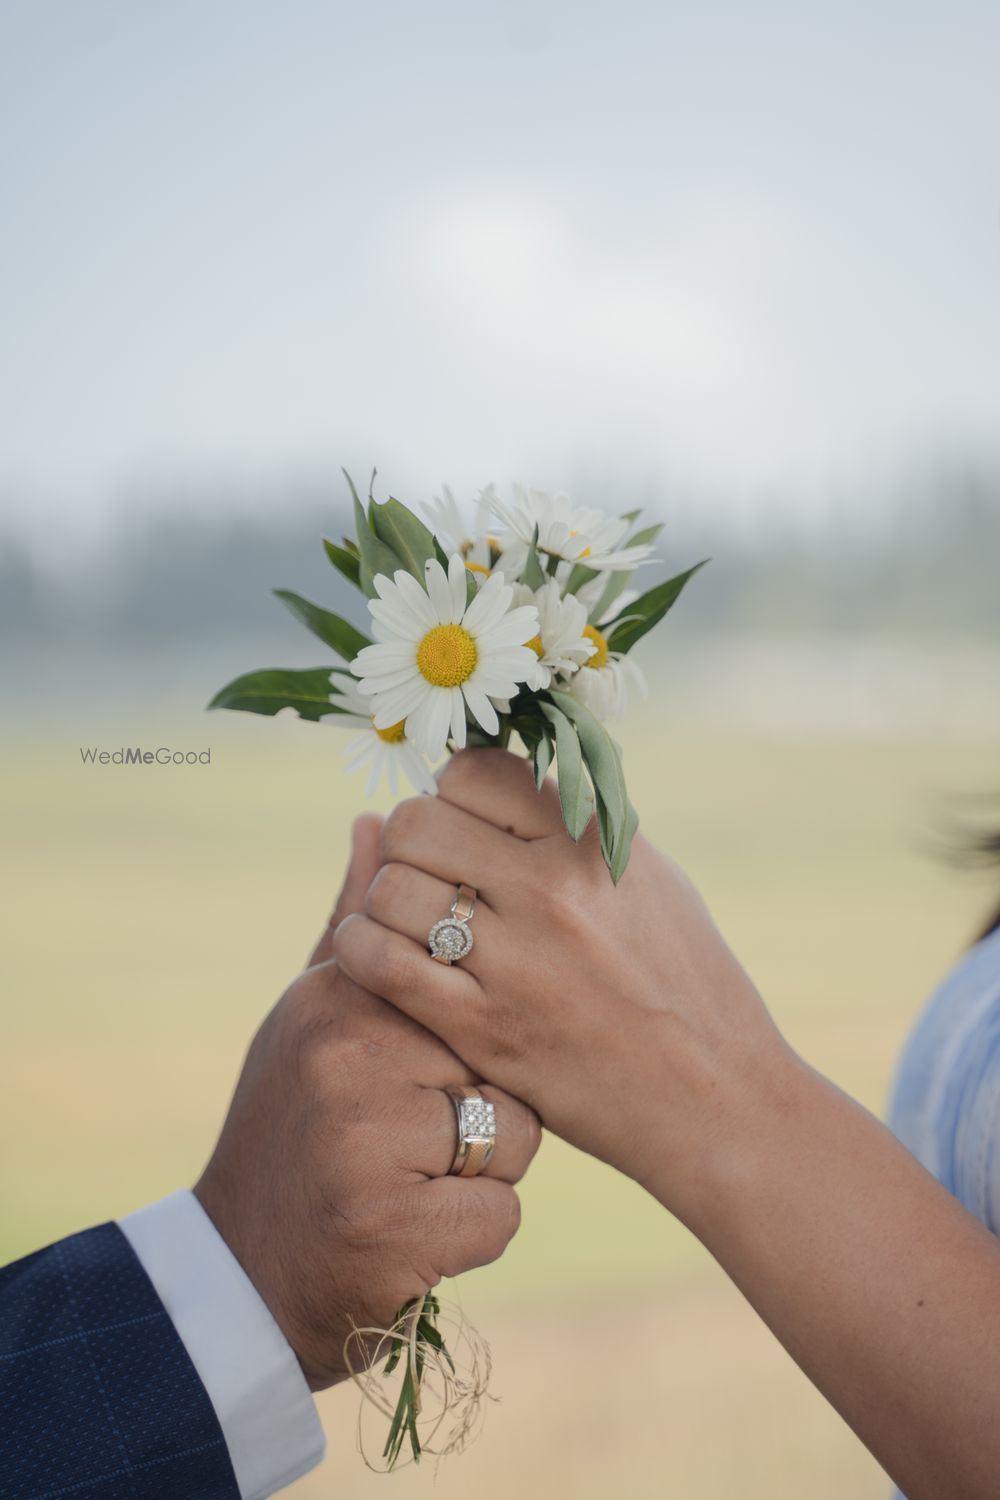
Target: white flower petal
438	721
376	774
360	750
392	707
458	717
418	723
416	599
493	684
416	769
514	629
394	615
489	605
381	657
481	708
384	655
457	575
384	682
438	590
394	655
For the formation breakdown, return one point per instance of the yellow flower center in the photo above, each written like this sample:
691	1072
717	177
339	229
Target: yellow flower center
535	644
447	656
477	568
600	656
393	734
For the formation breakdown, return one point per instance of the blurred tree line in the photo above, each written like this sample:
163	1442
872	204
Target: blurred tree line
924	559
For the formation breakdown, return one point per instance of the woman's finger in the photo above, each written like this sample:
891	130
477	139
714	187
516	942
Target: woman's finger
446	999
410	901
499	787
453	845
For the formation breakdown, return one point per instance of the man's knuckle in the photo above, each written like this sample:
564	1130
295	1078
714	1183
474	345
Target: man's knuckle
532	1131
495	1219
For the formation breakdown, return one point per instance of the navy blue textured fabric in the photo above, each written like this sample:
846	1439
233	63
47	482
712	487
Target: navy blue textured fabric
98	1397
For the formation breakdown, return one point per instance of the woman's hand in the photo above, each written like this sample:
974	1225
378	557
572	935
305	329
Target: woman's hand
619	1014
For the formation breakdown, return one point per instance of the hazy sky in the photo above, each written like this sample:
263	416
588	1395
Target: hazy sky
745	249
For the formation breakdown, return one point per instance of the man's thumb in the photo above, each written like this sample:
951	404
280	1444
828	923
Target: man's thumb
366	834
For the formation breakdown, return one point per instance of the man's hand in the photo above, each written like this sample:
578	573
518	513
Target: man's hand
329	1180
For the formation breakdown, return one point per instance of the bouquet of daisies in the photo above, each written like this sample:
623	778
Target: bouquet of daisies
518	623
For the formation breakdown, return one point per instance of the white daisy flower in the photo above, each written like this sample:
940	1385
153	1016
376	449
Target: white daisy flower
385	751
587	536
603	681
435	656
561	644
477	548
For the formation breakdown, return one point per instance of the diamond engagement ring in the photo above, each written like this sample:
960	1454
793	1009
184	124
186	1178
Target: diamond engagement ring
451	938
477	1131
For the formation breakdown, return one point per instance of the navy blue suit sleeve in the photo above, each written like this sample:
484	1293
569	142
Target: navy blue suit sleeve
98	1398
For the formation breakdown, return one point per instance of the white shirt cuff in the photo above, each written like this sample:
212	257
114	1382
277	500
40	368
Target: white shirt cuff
264	1406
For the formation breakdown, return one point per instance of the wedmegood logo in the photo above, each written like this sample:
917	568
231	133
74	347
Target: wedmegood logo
136	757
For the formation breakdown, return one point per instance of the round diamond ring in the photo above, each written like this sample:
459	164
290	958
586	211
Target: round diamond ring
449	940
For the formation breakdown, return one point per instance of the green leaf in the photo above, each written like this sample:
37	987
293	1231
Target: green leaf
426	1330
603	760
578	576
542	758
647	611
602	756
631	515
404	533
275	688
339	634
620	860
345	561
376	557
608	595
644	537
575	796
532	573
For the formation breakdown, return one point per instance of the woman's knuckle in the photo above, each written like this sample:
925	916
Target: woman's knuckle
386	889
506	1033
397	970
402	824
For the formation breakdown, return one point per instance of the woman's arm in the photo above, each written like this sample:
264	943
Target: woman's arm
881	1286
623	1018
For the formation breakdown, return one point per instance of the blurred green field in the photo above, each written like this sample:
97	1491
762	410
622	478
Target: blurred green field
153	914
